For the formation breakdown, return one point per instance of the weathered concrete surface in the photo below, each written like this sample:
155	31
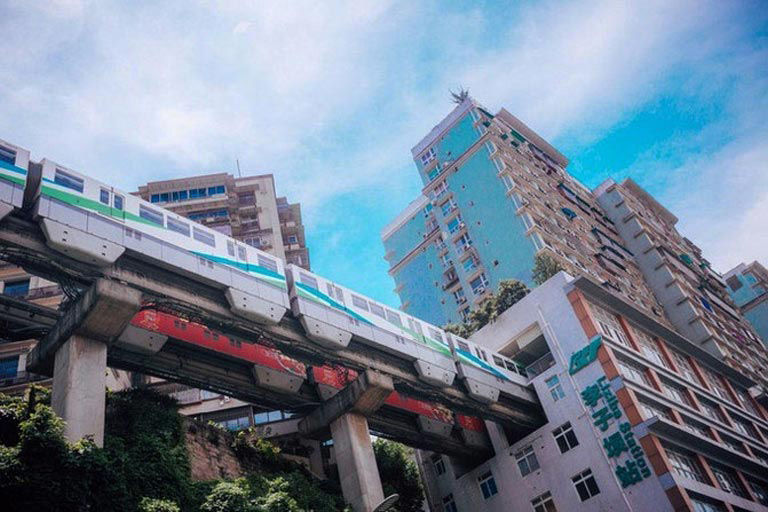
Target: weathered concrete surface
101	314
79	382
358	473
363	396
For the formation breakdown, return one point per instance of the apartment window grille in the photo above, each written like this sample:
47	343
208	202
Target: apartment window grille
449	505
745	401
586	485
439	464
716	384
633	372
544	503
470	264
609	326
743	427
649	348
675	393
696	427
69	181
651	409
479	284
459	297
685	465
700	505
728	480
428	156
448	206
711	410
555	388
684	366
464	243
487	485
455	224
565	437
733	443
759	491
526	460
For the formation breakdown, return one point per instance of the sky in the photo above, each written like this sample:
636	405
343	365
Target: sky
331	96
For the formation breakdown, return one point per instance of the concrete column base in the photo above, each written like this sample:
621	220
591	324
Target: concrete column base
358	473
79	381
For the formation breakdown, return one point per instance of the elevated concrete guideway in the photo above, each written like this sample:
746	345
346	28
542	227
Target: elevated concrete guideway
91	334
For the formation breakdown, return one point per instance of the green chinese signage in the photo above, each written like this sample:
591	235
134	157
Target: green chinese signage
606	413
586	355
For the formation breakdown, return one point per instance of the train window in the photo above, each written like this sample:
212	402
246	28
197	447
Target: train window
267	263
231	248
118	202
511	366
178	226
377	310
104	196
69	181
463	346
204	236
359	302
309	281
7	155
481	354
241	252
394	318
415	326
151	215
436	334
498	361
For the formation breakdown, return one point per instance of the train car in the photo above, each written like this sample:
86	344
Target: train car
96	223
487	374
14	166
332	314
150	329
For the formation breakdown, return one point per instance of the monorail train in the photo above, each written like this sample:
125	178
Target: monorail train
95	223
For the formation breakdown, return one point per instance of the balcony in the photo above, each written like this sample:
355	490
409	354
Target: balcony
540	365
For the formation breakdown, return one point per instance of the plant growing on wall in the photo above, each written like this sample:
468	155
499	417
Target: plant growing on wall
510	292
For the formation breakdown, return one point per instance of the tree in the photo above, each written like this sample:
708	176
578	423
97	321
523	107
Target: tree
228	497
459	97
545	266
510	292
399	474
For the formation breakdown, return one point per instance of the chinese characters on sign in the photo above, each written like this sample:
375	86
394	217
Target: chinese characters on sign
585	356
606	411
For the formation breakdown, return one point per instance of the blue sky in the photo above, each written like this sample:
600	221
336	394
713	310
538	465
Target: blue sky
331	96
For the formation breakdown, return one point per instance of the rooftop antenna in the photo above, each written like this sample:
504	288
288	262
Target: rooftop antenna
239	173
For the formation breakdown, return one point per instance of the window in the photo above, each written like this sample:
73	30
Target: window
544	503
565	437
685	465
675	393
7	155
377	310
526	460
104	196
204	237
428	156
555	388
650	409
479	284
394	318
9	367
449	505
459	297
746	401
151	215
728	480
586	485
711	410
359	302
16	288
309	281
68	180
716	384
609	325
455	224
487	485
509	183
744	427
253	242
649	348
684	366
267	263
633	372
699	505
470	264
178	226
759	490
448	206
118	202
436	335
439	463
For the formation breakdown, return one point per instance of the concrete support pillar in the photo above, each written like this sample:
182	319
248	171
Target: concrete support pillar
79	380
358	472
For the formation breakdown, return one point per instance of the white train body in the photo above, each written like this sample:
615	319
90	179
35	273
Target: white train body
95	223
14	167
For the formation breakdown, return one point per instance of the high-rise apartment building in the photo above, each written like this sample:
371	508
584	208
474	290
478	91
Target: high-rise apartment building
247	209
495	195
748	288
638	417
695	297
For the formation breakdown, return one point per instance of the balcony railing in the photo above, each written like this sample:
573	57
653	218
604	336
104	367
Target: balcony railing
540	365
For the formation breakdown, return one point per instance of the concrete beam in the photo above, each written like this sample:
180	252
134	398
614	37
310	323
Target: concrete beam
363	396
79	388
101	314
358	473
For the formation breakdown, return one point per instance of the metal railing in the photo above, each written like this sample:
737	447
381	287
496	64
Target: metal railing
540	365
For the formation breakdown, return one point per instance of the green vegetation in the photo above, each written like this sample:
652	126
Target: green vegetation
143	467
399	474
544	267
510	292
